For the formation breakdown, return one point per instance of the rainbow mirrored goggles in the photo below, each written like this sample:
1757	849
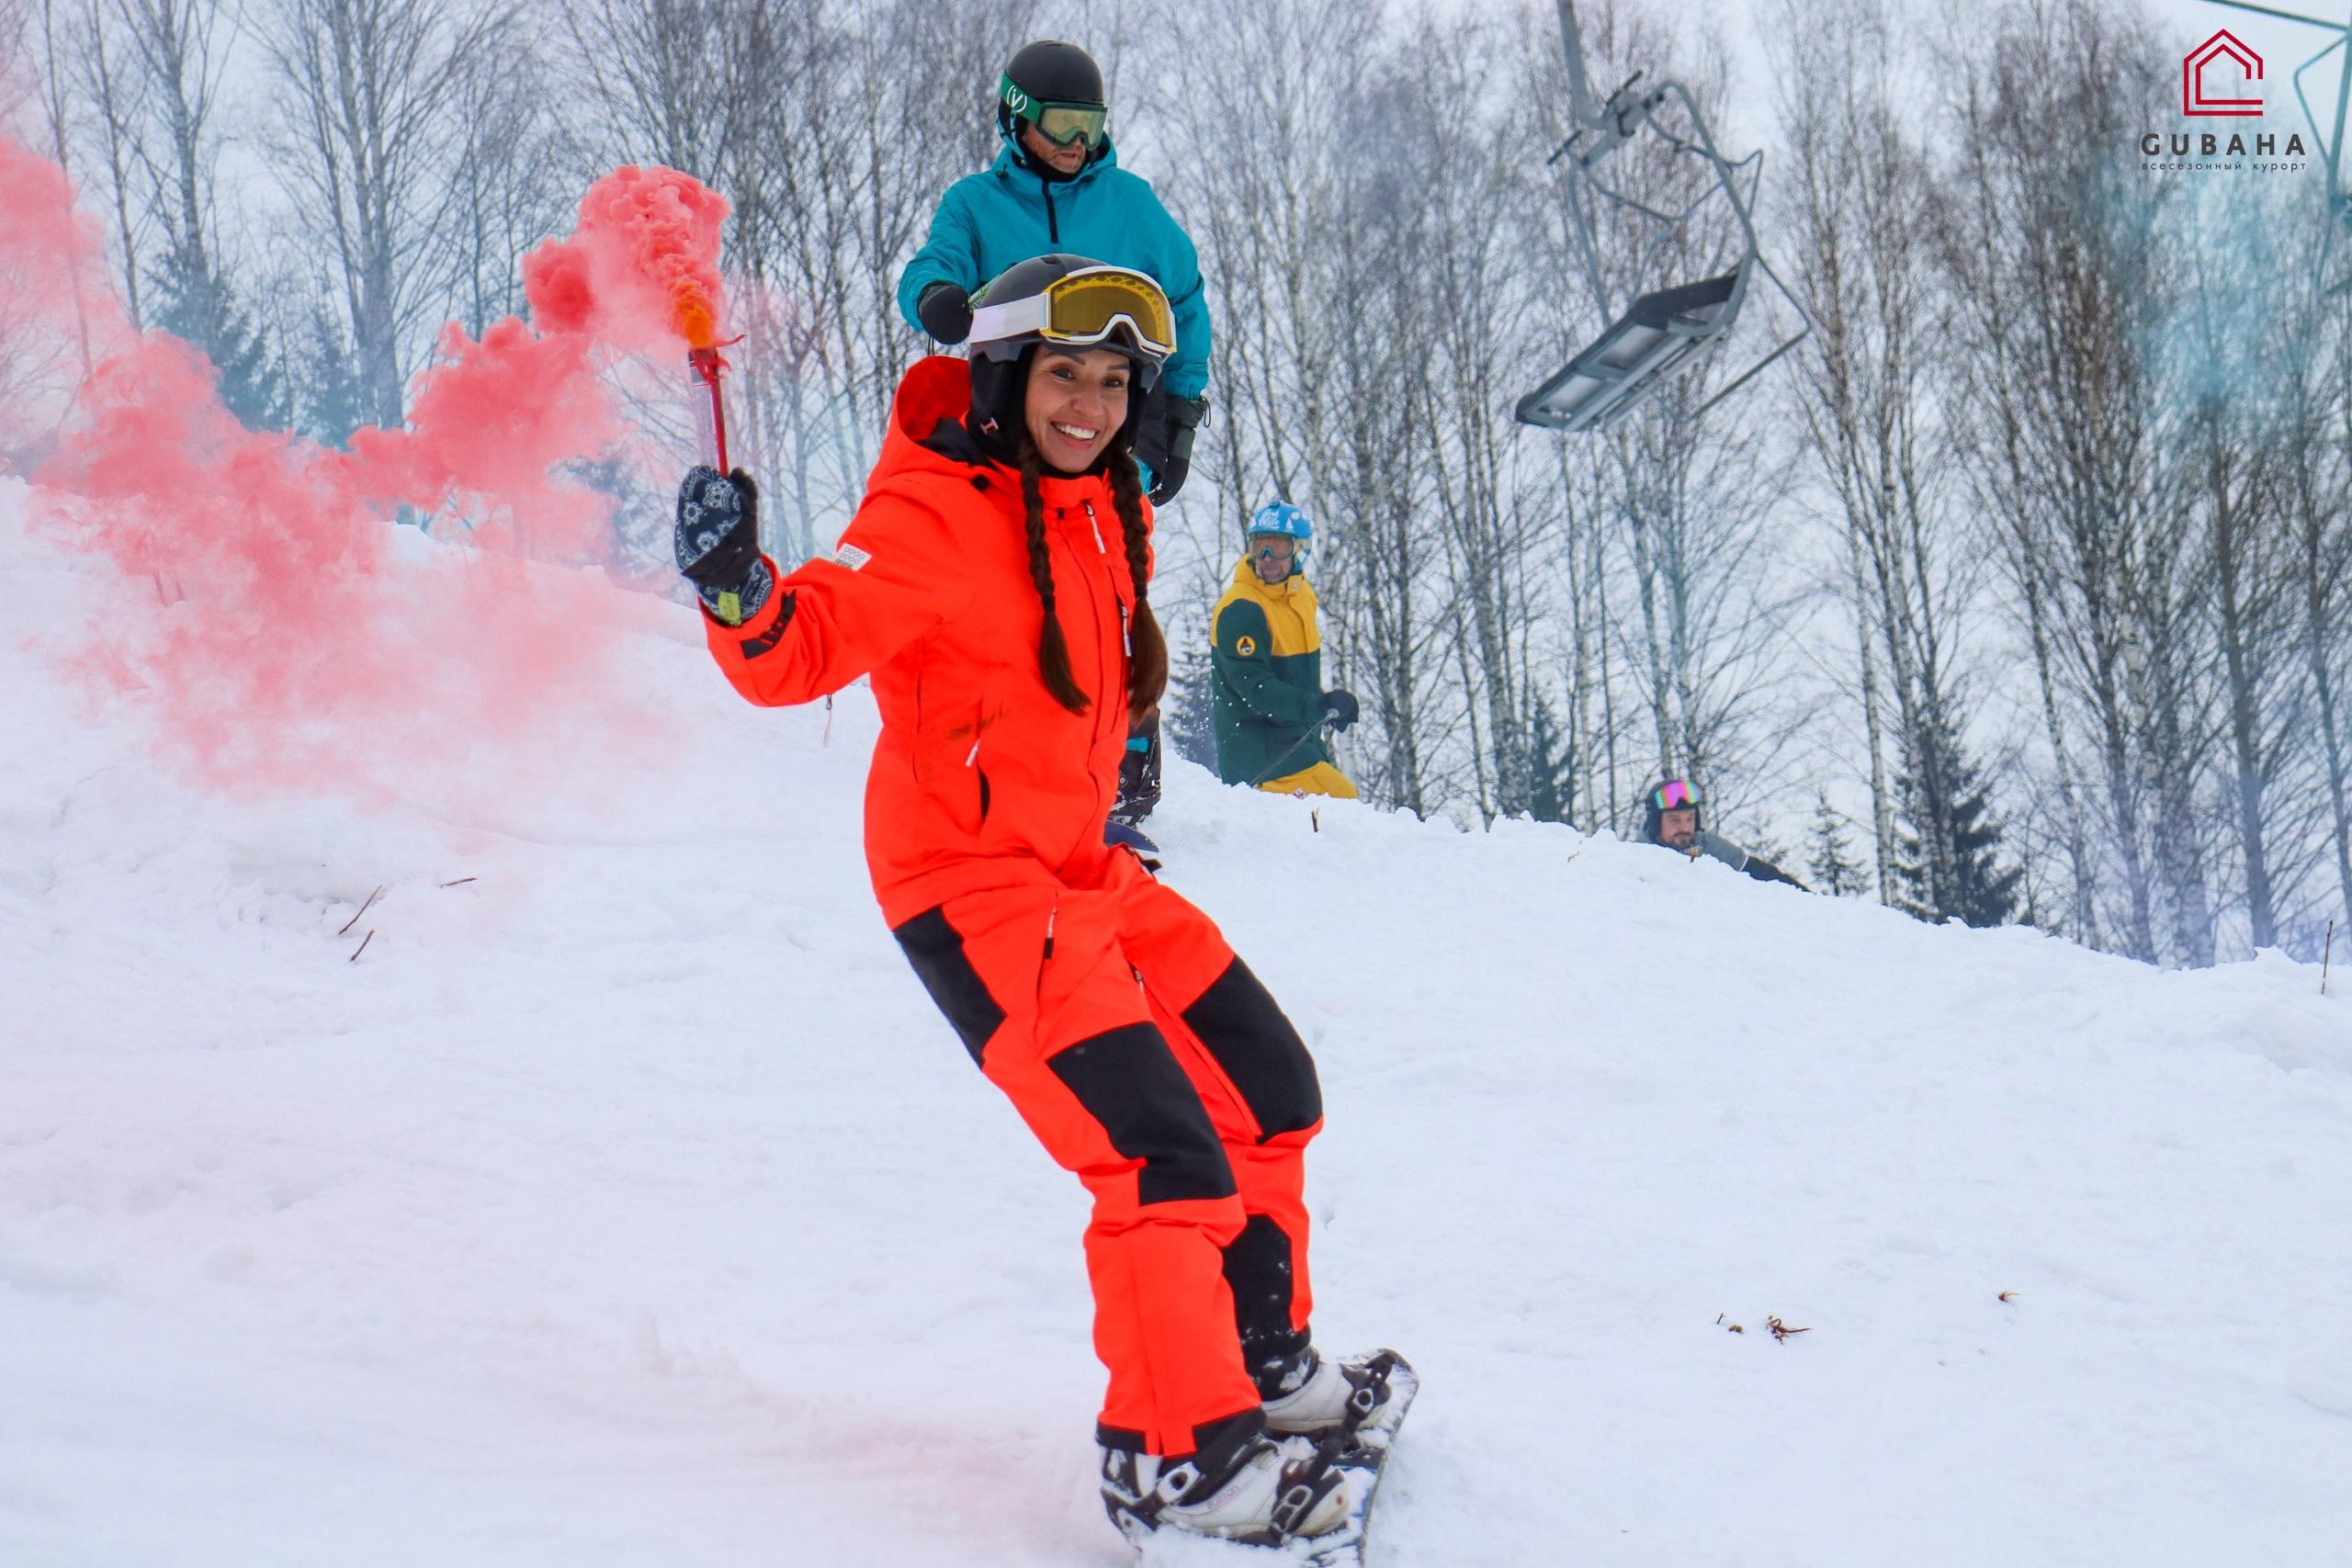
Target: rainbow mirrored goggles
1265	549
1060	124
1676	795
1081	309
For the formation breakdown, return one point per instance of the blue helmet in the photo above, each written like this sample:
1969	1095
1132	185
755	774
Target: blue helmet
1283	519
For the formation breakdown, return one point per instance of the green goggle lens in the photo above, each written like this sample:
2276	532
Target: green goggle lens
1063	124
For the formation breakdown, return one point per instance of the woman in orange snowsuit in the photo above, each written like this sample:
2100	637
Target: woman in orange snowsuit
994	583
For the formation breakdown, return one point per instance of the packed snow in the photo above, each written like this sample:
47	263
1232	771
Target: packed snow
626	1202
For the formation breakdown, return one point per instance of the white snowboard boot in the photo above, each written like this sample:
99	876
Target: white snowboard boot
1322	1399
1253	1494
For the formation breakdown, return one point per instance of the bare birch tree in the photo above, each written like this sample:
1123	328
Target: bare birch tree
368	136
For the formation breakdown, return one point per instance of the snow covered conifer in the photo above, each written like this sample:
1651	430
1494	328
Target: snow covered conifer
1944	864
200	307
331	401
1835	871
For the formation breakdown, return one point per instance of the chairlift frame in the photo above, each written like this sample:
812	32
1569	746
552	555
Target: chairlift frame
2339	200
1655	337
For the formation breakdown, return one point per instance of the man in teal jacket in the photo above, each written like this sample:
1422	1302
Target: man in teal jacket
1058	187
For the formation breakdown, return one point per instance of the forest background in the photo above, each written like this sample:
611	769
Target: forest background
2019	591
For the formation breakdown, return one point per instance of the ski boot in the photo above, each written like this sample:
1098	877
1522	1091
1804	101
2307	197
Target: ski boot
1254	1494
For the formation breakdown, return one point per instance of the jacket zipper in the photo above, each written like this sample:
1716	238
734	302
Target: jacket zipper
1116	675
1127	636
1053	229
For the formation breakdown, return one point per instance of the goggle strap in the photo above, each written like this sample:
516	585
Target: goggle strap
1014	318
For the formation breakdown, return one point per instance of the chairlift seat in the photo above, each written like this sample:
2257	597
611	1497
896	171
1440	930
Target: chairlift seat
1661	334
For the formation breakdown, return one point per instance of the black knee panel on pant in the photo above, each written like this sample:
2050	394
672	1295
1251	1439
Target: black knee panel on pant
936	951
1242	1027
1128	1081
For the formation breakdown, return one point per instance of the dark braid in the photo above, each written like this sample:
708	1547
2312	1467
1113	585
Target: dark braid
1147	648
1053	649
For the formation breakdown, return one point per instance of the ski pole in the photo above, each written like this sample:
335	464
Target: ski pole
1295	746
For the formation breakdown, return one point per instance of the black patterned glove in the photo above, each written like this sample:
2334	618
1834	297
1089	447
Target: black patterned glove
718	543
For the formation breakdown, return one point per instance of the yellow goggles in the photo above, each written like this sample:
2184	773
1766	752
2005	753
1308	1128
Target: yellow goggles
1083	308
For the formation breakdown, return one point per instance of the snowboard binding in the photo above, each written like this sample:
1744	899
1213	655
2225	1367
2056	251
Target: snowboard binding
1321	1509
1182	1498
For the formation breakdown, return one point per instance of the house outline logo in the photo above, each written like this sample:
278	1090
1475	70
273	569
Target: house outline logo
2222	45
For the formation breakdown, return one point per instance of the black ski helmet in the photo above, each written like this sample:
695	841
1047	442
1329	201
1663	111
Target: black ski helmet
1049	72
1001	370
1684	796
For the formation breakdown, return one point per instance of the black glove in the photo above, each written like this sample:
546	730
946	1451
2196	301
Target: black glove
945	311
1339	709
1763	870
718	543
1164	444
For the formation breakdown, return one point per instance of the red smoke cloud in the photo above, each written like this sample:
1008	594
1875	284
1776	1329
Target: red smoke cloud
50	255
641	270
266	612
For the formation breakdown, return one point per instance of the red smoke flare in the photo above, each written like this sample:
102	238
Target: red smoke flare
279	631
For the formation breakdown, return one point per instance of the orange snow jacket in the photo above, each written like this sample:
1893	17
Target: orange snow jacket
980	776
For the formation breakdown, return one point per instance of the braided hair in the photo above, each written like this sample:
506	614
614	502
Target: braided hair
1053	648
1147	648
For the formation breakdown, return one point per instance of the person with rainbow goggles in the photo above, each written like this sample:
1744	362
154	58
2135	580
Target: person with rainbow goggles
1056	186
1671	818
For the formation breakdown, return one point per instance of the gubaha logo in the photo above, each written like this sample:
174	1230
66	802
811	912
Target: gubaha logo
2216	79
2221	46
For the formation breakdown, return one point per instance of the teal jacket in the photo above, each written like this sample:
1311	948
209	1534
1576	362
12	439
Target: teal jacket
1006	214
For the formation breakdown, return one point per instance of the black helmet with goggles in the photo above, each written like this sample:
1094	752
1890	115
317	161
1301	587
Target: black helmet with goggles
1057	87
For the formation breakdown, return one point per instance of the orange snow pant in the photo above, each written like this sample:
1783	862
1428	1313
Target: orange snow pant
1150	1062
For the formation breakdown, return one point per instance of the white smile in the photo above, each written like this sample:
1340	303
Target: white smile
1076	433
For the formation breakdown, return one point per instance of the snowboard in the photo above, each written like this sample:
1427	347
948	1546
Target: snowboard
1116	833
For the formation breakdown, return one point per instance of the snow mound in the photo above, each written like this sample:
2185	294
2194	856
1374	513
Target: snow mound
624	1202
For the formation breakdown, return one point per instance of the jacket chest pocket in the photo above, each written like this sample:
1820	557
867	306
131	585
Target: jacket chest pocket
964	781
954	728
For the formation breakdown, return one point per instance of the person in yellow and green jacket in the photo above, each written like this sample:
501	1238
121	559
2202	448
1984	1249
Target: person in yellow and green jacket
1267	690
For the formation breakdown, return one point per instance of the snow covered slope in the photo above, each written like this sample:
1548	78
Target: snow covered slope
624	1203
